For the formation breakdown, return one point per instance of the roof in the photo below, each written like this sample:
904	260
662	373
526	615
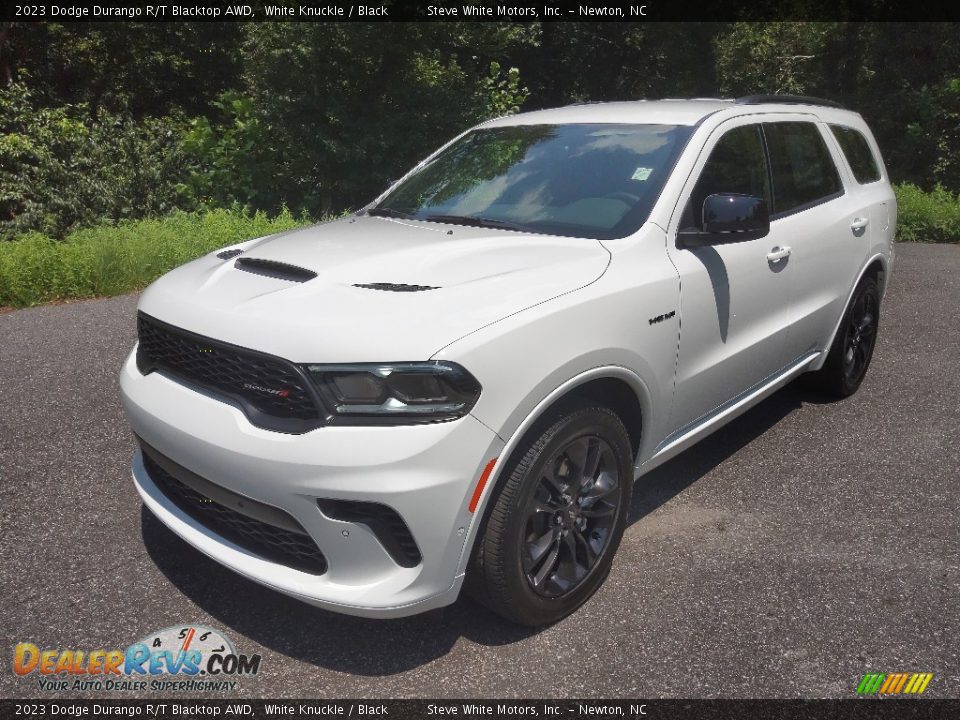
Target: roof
657	112
660	112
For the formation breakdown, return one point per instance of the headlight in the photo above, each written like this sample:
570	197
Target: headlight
396	393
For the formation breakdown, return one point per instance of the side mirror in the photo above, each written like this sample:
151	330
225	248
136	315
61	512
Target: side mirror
726	218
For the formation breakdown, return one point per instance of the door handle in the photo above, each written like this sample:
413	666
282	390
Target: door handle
778	254
859	223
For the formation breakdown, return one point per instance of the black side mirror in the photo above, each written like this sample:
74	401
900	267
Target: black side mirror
728	217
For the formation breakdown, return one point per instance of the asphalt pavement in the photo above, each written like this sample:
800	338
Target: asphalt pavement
803	545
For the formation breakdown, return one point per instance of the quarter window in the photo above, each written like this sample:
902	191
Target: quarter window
803	171
857	151
736	165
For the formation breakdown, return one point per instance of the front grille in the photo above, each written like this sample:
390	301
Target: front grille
274	393
384	522
290	546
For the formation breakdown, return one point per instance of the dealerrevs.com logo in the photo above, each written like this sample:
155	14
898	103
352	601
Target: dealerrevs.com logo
189	658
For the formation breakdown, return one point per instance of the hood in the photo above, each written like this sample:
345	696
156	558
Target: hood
468	278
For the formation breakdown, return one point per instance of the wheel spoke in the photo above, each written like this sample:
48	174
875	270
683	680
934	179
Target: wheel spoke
548	564
568	568
601	510
554	485
539	547
577	453
604	485
592	462
543	506
590	553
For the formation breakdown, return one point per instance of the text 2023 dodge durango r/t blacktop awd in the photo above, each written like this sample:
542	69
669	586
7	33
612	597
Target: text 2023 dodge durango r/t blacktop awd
461	384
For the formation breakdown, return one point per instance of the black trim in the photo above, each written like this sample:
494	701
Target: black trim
256	416
395	287
227	254
766	157
787	100
383	521
808	206
773	187
274	269
264	530
234	501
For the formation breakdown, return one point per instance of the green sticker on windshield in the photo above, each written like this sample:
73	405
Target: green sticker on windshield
641	173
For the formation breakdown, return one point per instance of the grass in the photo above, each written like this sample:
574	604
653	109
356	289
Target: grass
927	216
112	259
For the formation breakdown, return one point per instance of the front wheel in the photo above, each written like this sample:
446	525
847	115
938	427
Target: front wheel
556	522
852	348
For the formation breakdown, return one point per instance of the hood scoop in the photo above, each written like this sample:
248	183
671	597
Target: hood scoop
395	287
273	269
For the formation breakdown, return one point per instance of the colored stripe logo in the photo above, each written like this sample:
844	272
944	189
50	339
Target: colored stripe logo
894	683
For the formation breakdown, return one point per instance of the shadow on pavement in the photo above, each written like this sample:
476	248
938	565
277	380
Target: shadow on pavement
386	647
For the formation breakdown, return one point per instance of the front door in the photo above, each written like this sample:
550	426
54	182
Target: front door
734	297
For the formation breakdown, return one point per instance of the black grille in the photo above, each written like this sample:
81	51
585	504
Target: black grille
290	546
274	394
384	522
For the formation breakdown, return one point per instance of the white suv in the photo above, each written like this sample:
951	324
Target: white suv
463	382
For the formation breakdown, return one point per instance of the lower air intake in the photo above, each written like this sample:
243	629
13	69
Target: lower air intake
289	545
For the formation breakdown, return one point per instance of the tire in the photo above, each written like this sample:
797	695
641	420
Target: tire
853	346
549	540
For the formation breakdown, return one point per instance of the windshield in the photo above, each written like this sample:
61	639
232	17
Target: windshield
595	181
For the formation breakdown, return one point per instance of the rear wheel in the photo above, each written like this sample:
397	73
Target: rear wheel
852	348
556	522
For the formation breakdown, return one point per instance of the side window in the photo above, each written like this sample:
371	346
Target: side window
736	165
857	151
803	171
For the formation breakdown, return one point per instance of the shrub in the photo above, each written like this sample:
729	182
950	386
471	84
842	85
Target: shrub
112	259
60	170
927	216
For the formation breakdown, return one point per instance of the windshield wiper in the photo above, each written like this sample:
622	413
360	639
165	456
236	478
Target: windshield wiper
390	213
474	222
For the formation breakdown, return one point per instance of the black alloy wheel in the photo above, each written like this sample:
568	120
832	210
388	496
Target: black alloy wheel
860	337
555	518
852	349
570	517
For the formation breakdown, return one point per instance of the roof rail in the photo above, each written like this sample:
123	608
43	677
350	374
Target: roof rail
787	99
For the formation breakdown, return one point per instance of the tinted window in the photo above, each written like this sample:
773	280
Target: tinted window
857	151
585	180
736	165
803	171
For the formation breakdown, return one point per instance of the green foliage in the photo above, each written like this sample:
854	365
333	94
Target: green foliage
59	170
225	159
118	121
904	78
344	107
502	94
777	57
145	69
112	259
927	217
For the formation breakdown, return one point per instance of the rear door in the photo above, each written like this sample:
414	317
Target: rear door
823	220
868	184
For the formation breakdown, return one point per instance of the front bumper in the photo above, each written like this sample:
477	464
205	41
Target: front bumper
426	473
